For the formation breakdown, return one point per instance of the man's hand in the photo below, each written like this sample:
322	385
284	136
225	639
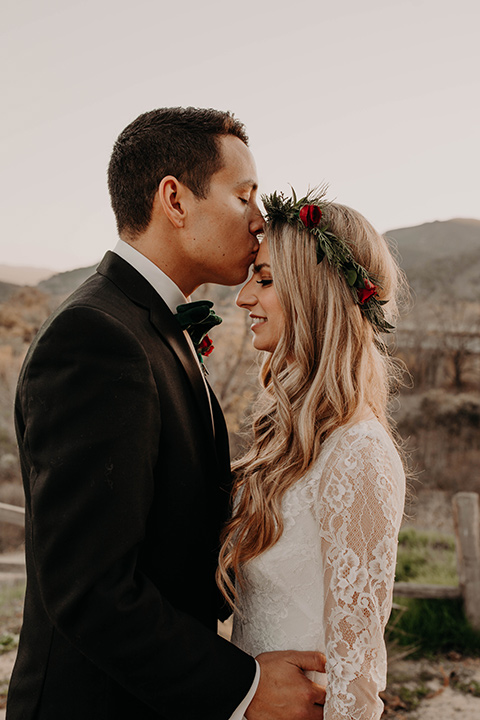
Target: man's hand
284	692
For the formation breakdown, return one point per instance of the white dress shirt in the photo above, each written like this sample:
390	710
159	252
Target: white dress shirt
165	287
173	296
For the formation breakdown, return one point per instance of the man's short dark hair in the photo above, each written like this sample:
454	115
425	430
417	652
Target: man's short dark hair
183	142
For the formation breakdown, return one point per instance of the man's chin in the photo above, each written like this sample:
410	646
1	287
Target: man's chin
234	279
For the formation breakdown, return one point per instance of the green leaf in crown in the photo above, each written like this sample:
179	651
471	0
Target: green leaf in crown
308	214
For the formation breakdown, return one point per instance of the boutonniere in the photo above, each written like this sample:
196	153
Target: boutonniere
206	347
198	318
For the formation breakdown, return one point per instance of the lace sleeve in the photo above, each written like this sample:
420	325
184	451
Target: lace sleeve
359	509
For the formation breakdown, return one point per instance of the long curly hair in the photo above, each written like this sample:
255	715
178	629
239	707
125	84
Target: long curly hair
328	367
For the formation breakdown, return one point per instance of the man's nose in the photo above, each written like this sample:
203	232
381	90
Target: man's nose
257	223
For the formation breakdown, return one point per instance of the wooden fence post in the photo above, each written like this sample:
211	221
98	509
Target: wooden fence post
12	514
466	515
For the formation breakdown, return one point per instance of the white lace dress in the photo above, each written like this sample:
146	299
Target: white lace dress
327	583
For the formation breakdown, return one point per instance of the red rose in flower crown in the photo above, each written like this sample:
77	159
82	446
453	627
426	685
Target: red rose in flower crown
366	292
206	347
310	215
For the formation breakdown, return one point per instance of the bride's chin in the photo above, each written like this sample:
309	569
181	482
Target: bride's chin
260	347
258	344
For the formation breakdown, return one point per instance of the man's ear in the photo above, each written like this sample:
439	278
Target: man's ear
172	195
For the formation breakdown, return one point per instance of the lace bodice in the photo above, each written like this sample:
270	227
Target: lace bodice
327	583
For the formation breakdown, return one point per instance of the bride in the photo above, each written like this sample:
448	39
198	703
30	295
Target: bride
319	496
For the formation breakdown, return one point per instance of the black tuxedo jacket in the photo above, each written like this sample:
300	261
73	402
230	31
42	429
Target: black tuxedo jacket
126	489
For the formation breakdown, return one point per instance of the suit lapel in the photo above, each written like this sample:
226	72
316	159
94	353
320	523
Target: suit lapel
139	290
221	440
165	323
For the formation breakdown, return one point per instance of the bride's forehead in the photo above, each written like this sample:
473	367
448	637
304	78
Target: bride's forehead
263	255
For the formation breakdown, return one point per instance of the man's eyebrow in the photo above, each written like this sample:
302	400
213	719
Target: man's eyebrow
259	268
248	183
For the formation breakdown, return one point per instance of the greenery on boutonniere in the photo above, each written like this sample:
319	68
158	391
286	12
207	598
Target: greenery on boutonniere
197	318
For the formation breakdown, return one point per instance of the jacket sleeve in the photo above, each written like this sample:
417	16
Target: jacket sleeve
91	462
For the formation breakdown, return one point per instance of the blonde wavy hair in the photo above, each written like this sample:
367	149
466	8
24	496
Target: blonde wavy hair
328	367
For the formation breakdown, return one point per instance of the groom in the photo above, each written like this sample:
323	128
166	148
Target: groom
125	462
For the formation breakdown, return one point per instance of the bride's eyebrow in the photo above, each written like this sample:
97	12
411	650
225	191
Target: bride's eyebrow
258	268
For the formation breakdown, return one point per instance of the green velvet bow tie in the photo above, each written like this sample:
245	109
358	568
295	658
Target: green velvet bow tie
197	318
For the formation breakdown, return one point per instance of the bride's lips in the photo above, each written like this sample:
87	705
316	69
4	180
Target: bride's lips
257	320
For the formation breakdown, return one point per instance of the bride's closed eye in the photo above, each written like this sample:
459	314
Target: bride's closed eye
265	283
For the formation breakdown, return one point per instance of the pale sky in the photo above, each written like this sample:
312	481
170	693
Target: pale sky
379	98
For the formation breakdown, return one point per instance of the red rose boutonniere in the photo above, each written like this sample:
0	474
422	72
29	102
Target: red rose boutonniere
366	292
310	215
206	347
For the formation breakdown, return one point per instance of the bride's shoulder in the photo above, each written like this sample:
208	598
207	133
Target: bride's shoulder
364	440
364	430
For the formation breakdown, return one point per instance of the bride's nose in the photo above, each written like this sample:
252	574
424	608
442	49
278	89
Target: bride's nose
246	298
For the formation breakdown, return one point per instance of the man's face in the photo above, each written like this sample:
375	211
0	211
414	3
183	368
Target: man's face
224	225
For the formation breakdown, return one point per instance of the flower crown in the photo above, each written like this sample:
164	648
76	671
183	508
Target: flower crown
307	214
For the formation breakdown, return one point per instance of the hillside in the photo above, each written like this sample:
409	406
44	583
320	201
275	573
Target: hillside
66	282
24	275
441	258
434	256
438	340
6	290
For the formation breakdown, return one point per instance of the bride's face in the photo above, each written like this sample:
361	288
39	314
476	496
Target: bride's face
259	297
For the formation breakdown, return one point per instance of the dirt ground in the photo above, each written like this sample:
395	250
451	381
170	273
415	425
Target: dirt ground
441	688
6	665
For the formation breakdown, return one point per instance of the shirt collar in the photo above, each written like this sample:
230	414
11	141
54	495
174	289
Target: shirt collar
165	287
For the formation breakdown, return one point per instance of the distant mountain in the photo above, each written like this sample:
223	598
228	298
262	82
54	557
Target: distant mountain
467	221
66	282
441	259
24	275
6	290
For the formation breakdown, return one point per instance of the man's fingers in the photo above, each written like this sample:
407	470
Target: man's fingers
308	660
284	691
319	693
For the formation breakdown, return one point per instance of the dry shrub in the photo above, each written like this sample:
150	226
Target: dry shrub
10	364
22	315
11	492
11	536
442	436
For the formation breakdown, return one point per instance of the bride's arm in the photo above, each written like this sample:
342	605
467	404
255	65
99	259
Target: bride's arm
360	505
